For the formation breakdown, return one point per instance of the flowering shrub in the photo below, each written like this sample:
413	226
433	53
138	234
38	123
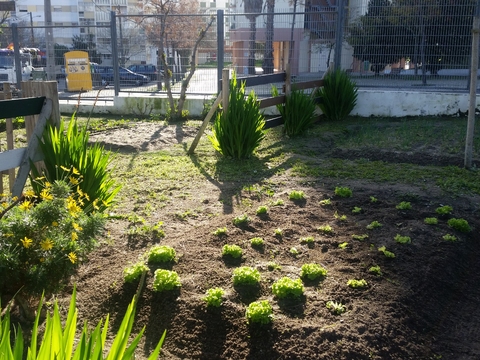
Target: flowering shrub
44	238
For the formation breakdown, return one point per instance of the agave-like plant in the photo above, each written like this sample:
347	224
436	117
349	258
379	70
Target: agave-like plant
238	131
338	96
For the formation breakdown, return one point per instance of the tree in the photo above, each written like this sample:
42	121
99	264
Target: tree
253	9
86	43
164	30
268	55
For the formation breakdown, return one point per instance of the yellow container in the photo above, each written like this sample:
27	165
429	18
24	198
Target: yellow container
77	68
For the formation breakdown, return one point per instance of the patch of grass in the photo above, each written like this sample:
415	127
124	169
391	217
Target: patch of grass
402	239
343	192
374	225
459	225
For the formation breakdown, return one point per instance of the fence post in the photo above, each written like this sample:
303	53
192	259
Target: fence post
113	31
9	130
225	89
220	47
337	59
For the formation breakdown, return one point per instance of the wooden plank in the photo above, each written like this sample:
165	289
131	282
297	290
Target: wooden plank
308	84
32	148
271	101
262	79
11	159
270	123
21	107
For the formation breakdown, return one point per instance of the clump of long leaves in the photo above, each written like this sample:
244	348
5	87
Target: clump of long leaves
338	96
298	111
58	343
238	131
64	151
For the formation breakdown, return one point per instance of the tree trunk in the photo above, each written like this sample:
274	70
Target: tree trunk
268	56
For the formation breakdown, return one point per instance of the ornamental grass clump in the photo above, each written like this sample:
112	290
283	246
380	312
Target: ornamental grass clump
44	239
61	341
286	287
238	131
338	95
69	156
298	111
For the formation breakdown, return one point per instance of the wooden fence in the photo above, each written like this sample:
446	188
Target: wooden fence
38	104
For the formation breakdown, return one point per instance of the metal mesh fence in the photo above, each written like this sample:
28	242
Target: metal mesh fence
406	44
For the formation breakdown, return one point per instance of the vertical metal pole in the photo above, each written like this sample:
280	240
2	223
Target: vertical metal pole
473	88
49	40
337	59
113	31
16	51
220	47
31	29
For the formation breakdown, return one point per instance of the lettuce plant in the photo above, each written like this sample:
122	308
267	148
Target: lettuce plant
165	280
286	287
312	271
357	284
459	225
343	192
245	275
260	312
234	251
214	297
160	254
134	271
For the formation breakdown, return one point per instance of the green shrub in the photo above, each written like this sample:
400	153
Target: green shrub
43	240
338	96
134	272
66	343
459	225
160	254
245	275
312	271
238	131
165	280
214	297
298	111
260	312
234	251
68	156
286	287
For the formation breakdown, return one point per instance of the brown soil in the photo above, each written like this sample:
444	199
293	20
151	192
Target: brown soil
424	306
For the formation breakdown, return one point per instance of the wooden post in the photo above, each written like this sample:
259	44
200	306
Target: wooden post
288	81
10	139
225	88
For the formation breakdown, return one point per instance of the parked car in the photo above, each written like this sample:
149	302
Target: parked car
149	70
126	76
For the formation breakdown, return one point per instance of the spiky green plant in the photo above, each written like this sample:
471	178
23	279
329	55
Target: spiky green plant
338	96
298	111
238	131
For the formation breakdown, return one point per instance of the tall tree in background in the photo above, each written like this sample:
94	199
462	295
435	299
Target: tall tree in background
253	8
268	55
169	29
86	43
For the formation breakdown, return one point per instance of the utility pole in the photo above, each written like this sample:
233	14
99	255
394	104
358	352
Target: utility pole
31	28
49	40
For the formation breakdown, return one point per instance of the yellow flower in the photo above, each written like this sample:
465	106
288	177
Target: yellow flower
4	205
95	206
30	194
77	227
73	207
54	223
47	184
75	171
26	242
42	259
73	180
45	194
72	257
26	205
46	244
8	235
15	198
64	168
74	236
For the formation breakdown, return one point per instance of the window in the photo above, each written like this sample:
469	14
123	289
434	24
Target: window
57	9
203	4
82	30
81	14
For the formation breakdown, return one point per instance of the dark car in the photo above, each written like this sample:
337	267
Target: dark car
149	70
126	76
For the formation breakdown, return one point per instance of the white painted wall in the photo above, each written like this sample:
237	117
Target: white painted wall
370	103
